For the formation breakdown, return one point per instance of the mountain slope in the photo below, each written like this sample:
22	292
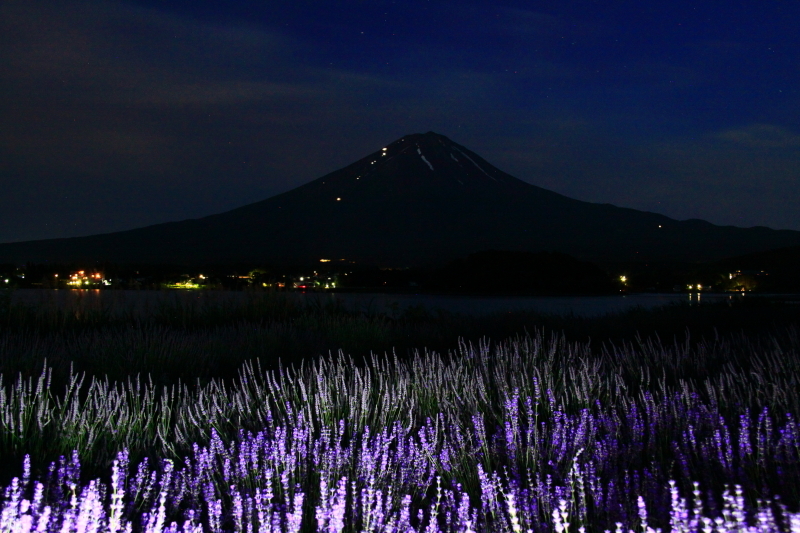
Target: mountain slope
421	200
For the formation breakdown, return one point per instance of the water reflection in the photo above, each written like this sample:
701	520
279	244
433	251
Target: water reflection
392	304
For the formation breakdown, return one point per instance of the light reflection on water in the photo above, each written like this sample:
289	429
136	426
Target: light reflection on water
393	304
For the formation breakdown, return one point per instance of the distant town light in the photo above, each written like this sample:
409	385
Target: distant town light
659	225
324	260
338	199
623	279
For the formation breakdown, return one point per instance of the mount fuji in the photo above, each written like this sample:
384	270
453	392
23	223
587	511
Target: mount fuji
421	200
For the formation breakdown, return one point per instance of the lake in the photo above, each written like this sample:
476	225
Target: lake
378	302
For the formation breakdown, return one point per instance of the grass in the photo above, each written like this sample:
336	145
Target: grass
591	412
175	339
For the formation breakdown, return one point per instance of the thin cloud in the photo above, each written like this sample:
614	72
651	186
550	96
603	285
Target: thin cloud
538	26
761	136
222	93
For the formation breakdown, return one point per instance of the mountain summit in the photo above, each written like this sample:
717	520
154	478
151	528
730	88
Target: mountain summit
421	200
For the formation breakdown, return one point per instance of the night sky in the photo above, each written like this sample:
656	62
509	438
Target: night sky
115	115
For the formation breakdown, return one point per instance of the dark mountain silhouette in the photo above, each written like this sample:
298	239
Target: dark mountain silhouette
497	271
779	259
490	272
421	200
773	270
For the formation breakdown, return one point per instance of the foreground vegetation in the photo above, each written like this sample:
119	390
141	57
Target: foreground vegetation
530	433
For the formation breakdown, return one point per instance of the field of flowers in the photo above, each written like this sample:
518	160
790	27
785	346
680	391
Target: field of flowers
532	433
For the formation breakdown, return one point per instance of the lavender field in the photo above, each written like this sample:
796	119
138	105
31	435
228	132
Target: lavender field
532	433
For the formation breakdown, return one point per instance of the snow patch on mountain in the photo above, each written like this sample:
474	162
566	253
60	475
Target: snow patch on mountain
476	164
423	158
454	157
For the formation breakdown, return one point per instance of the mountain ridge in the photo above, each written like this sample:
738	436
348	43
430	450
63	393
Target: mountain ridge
420	200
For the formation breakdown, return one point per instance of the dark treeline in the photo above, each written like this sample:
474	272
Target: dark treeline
495	272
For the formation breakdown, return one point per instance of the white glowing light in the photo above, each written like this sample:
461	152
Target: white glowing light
338	199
